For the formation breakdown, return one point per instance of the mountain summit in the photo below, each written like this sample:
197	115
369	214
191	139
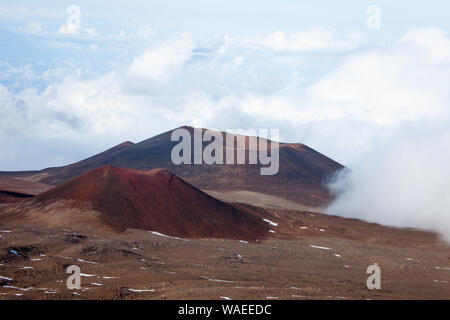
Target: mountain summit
301	176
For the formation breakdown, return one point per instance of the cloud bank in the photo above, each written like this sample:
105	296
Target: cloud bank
404	182
403	177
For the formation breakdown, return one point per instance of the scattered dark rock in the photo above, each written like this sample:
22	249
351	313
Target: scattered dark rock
74	237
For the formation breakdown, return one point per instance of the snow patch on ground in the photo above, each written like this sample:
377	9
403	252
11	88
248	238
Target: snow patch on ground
216	280
140	290
442	268
16	288
440	281
271	222
319	247
166	236
87	275
90	262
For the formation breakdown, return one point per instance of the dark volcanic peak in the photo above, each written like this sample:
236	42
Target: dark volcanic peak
57	175
156	200
301	175
124	145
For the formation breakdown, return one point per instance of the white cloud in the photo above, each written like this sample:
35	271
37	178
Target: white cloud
146	32
431	44
315	39
30	28
73	29
384	88
163	60
9	72
75	107
90	31
402	178
142	33
404	182
69	29
61	44
27	12
374	91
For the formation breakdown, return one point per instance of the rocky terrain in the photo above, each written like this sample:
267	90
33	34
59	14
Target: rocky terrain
309	256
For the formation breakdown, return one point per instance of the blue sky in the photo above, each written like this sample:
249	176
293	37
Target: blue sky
206	20
218	64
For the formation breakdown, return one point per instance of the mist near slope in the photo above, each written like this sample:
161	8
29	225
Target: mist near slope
401	182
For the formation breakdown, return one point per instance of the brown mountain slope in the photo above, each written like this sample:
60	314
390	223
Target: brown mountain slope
22	186
12	189
300	178
155	200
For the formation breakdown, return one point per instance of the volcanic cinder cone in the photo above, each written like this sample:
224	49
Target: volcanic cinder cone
302	175
156	200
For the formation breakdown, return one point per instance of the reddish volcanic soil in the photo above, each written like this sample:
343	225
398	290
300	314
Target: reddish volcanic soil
203	248
12	189
154	200
9	197
310	256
